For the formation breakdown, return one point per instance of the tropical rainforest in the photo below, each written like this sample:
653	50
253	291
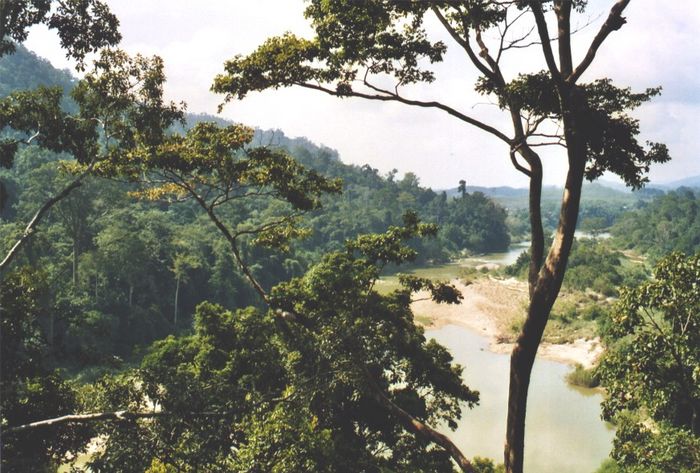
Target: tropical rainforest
180	292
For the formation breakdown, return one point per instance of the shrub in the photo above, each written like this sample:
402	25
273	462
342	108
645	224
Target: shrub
586	378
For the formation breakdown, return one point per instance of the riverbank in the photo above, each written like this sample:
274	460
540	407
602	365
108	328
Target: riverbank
495	308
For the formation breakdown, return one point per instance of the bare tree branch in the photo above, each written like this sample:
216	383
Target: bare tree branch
548	143
502	47
536	7
516	164
267	226
418	427
119	416
464	43
226	233
124	416
614	22
34	222
392	97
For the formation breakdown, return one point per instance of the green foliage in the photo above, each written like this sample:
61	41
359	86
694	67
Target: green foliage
83	26
30	389
600	208
215	156
608	466
476	223
669	223
640	449
28	111
485	465
593	266
120	105
347	34
607	129
256	391
126	93
370	203
24	70
655	368
584	377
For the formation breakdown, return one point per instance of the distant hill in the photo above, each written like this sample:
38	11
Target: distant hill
275	138
656	187
26	70
593	194
691	182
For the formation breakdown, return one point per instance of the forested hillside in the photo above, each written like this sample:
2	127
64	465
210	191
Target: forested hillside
25	70
118	272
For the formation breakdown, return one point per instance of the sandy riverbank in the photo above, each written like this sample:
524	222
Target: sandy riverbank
492	307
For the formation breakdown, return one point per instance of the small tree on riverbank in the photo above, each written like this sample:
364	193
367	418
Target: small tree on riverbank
358	46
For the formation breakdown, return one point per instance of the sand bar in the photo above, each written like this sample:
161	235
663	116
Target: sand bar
491	307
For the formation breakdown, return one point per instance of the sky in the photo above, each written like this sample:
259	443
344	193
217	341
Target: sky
656	47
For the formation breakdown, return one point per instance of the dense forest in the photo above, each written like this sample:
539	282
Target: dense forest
113	257
179	292
670	222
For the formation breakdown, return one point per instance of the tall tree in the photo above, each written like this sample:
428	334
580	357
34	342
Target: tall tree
182	264
360	46
75	213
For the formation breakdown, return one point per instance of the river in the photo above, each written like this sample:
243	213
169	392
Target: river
503	258
564	432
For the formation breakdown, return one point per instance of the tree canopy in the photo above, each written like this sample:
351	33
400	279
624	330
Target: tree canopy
358	46
83	26
252	391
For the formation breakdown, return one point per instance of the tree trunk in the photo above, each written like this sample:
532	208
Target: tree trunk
131	294
3	19
75	262
52	329
543	297
177	294
543	294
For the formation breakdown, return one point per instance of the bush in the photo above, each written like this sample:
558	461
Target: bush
593	312
485	465
608	466
585	378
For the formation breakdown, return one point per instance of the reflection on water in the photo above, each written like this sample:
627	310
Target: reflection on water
564	429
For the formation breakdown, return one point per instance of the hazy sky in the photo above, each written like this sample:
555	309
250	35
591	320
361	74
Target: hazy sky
658	46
